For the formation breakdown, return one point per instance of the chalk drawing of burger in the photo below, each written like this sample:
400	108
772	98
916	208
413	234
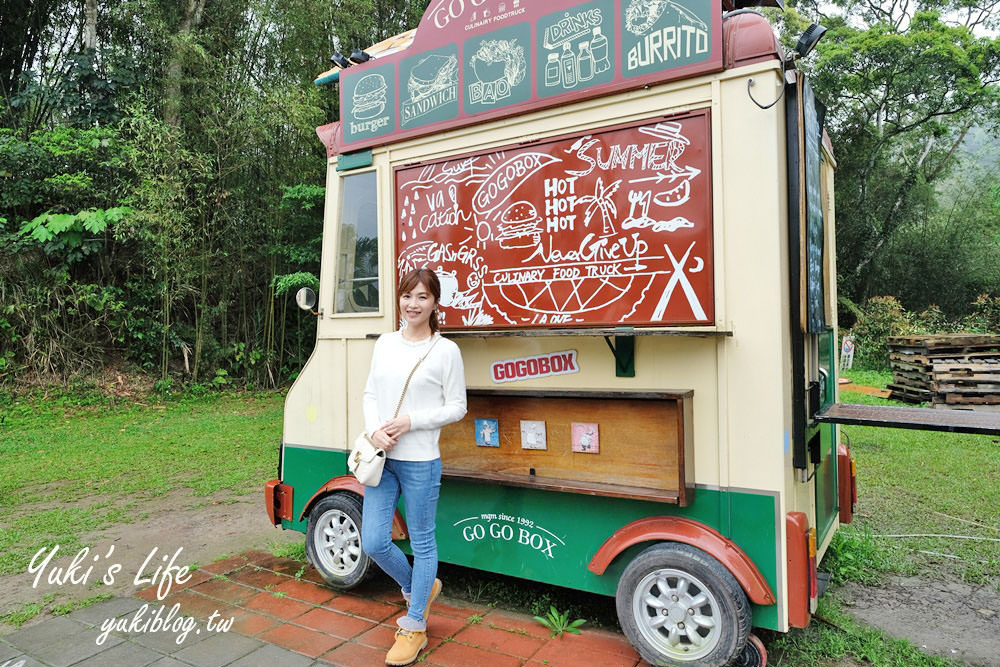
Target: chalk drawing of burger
518	226
369	96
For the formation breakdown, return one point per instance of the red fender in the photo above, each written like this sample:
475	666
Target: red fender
847	483
798	567
685	531
351	484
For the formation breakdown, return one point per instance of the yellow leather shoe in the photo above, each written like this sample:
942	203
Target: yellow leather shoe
435	591
408	645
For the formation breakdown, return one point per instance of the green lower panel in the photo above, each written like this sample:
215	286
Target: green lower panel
827	487
551	537
306	471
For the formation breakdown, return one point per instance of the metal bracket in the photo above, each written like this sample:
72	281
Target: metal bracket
624	351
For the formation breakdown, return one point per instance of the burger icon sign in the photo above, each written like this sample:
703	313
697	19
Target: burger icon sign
369	96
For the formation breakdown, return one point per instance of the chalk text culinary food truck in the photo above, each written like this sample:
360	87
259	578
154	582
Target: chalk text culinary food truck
630	206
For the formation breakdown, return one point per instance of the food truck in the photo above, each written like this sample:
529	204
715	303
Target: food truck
629	204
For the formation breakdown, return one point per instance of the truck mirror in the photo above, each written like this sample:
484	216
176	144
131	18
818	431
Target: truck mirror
305	298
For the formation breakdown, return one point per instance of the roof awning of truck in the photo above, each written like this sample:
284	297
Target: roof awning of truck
923	419
386	47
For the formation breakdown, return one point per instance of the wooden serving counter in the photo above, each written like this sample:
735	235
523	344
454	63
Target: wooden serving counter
645	443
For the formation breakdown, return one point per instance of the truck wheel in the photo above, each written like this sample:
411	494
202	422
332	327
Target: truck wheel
753	654
678	605
333	541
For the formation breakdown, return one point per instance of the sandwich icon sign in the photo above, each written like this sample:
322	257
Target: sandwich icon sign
432	85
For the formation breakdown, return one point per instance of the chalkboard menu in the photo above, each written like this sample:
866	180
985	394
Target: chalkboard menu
813	112
477	60
612	228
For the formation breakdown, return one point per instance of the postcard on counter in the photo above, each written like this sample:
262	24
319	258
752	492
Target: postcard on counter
487	433
585	438
532	434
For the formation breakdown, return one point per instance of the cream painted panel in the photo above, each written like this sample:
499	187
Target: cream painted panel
352	383
753	186
314	407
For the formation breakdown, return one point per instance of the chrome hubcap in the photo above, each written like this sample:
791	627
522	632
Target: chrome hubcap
338	542
677	613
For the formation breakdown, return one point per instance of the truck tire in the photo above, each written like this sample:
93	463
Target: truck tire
753	654
679	606
333	541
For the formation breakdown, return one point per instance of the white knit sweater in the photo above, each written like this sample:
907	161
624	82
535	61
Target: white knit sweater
434	398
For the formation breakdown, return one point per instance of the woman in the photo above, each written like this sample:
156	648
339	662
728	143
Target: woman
434	397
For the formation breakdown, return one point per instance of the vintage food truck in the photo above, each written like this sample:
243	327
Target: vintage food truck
630	206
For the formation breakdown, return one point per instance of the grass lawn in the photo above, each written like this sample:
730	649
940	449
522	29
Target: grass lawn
927	483
68	468
909	483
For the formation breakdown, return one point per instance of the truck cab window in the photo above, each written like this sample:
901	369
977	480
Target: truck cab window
357	266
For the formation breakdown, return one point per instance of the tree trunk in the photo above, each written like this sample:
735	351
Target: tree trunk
200	313
90	25
193	11
164	356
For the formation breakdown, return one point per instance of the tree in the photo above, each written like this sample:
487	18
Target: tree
903	85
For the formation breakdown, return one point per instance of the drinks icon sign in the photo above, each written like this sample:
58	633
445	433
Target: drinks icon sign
569	68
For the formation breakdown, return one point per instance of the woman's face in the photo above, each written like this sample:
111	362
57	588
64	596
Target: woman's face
417	305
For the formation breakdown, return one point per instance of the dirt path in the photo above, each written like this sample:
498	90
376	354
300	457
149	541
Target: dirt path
948	618
205	529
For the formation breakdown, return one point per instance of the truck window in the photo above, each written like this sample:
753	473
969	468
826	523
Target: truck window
357	268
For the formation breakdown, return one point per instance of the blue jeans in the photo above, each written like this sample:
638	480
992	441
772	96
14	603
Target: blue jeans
420	484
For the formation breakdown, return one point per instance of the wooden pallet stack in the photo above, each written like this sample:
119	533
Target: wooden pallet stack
952	371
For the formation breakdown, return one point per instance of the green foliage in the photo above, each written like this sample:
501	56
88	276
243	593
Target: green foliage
904	86
835	636
558	623
55	325
71	237
294	550
884	317
985	315
881	318
293	282
854	555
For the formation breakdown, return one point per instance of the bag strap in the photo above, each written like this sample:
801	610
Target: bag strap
407	384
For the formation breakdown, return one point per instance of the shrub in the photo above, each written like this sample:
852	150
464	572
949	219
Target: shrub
985	315
880	318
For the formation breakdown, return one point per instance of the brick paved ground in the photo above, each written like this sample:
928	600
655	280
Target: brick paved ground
295	621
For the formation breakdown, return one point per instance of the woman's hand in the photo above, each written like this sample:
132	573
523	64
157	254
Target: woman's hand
382	440
396	427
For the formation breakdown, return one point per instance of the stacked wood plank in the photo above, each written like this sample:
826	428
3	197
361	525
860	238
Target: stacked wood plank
956	371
